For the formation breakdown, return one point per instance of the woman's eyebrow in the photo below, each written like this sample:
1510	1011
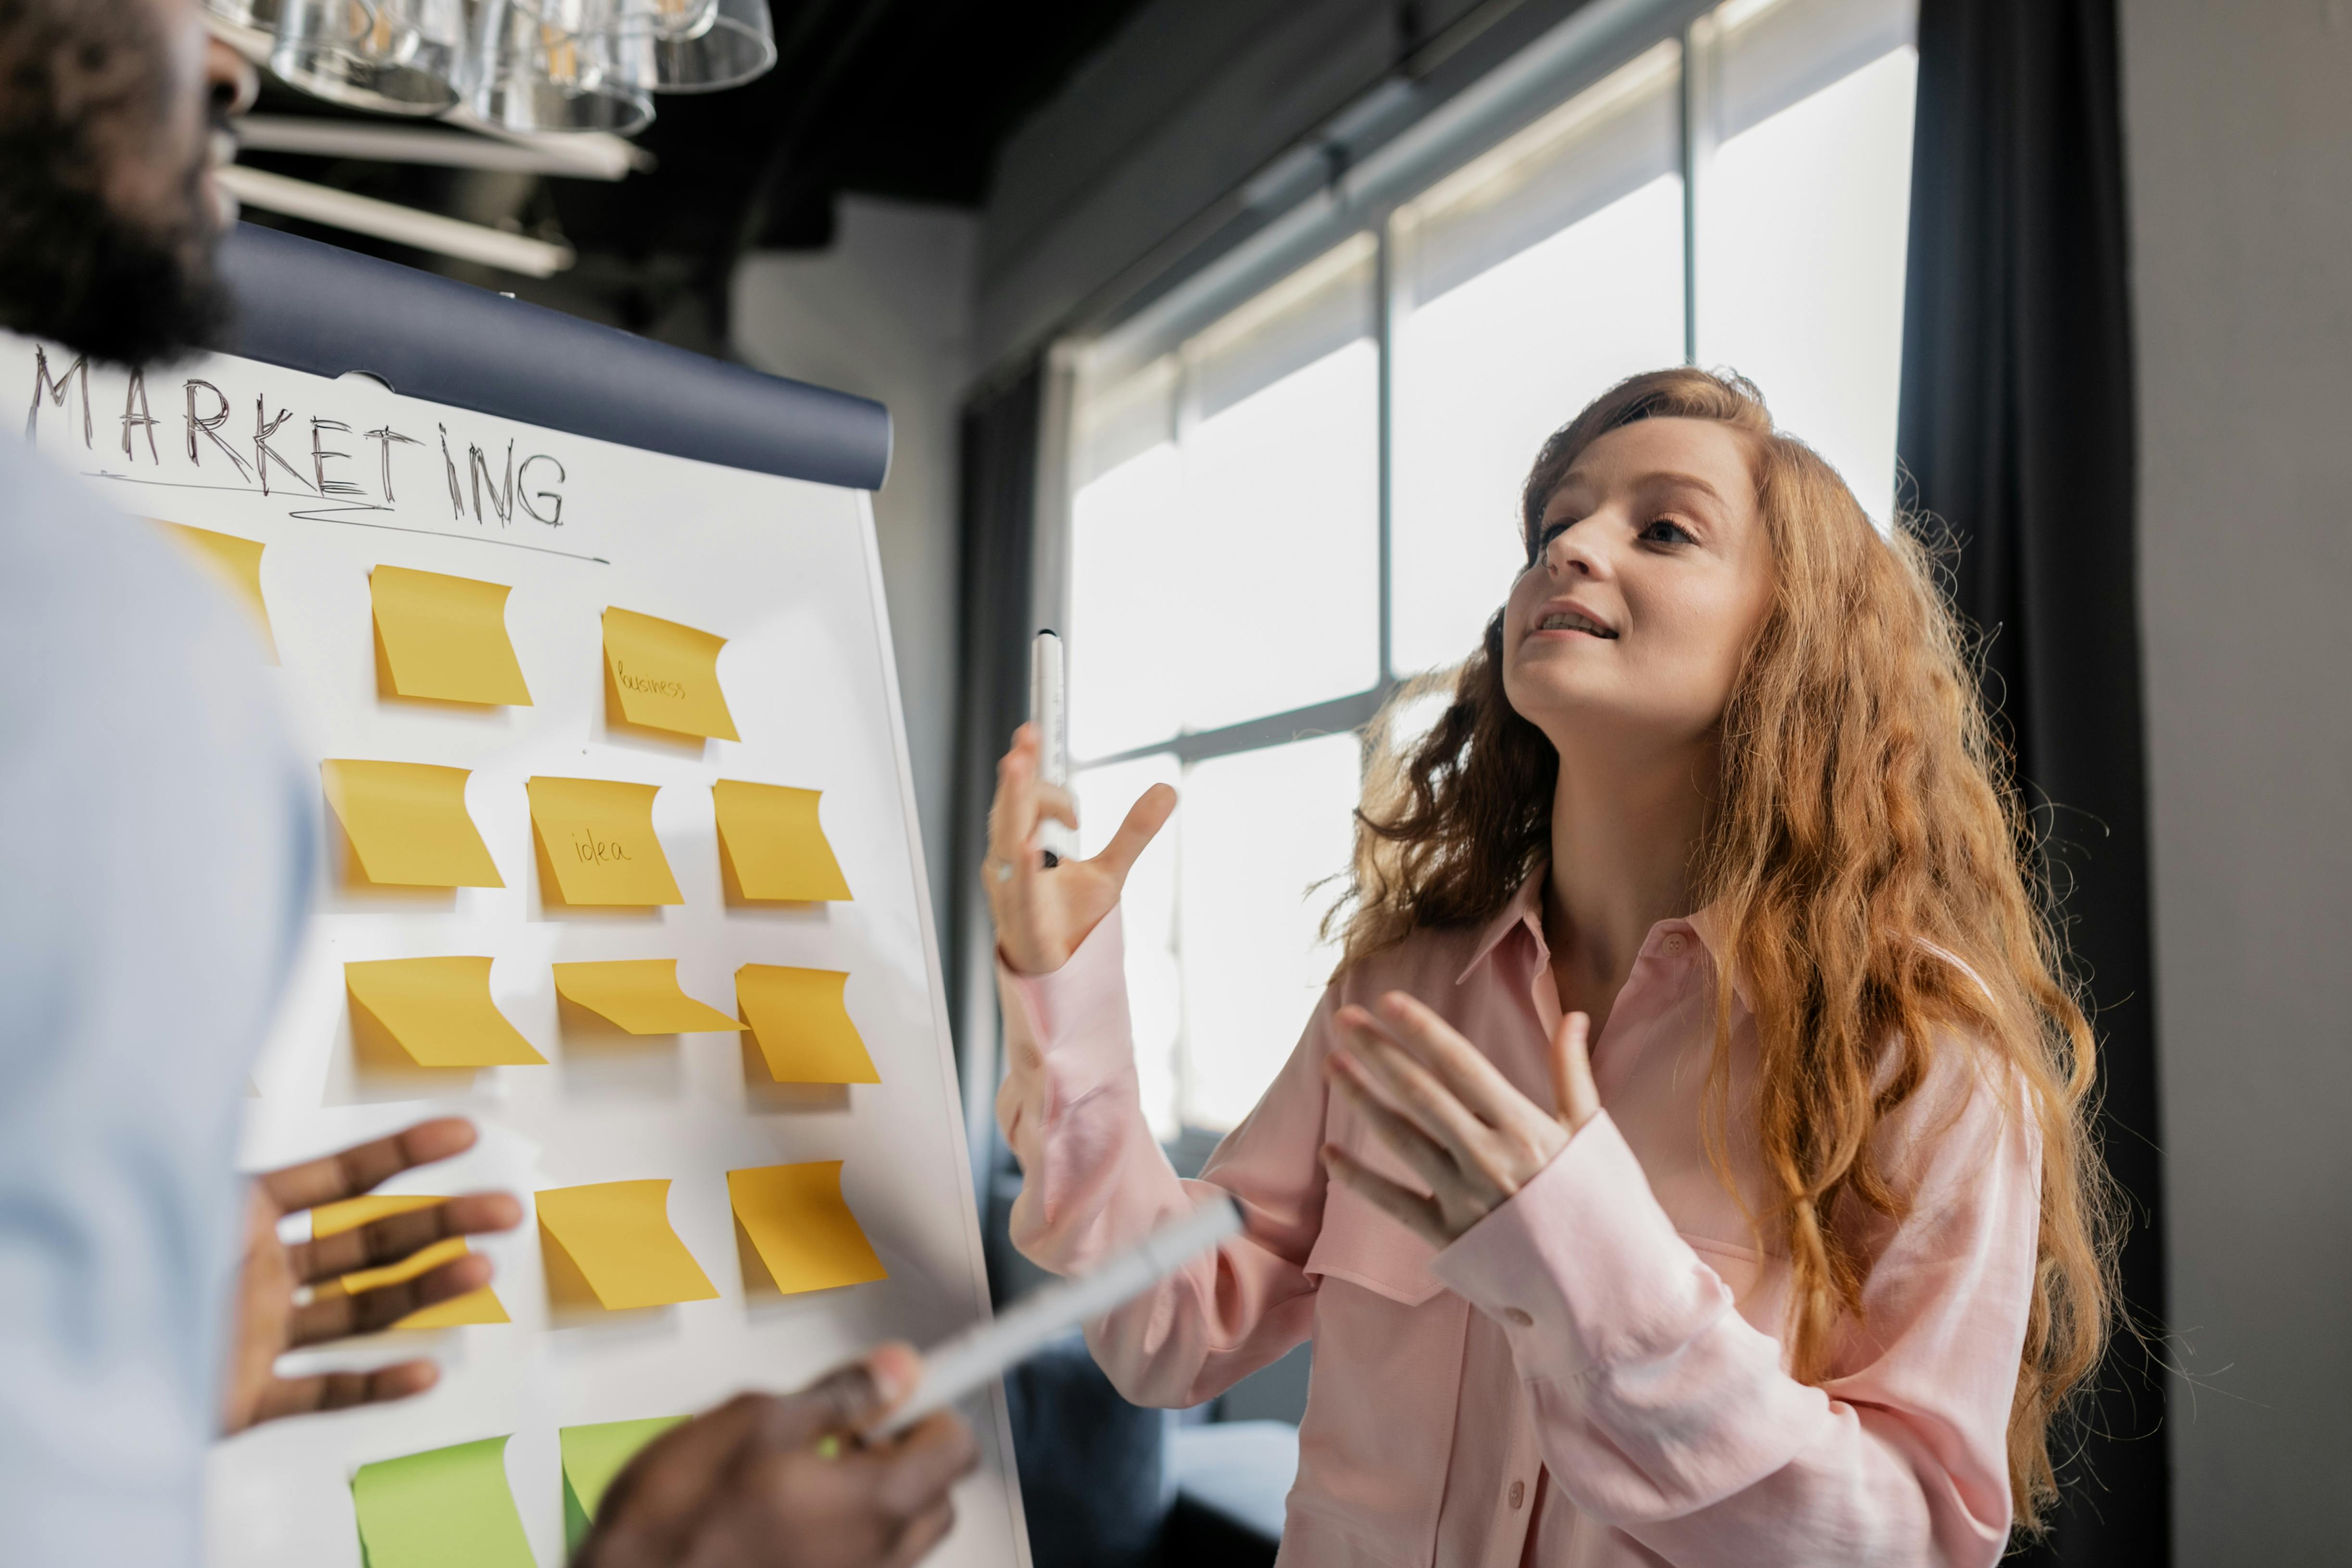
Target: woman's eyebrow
1670	479
1574	479
1663	478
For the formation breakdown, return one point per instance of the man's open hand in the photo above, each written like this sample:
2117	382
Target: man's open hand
287	1296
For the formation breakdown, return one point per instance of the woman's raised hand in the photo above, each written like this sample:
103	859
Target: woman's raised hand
1042	915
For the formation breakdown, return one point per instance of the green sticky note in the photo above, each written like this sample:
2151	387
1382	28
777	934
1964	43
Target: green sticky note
592	1455
445	1508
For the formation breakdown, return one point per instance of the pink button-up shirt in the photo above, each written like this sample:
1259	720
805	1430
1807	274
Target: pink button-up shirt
1593	1374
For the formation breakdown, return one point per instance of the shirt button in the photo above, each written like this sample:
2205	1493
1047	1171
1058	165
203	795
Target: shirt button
1518	1493
1518	1317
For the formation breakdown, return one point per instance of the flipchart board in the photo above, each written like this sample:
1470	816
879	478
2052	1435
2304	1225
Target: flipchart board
484	632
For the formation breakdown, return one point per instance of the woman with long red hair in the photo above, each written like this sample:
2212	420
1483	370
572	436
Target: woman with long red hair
1688	1162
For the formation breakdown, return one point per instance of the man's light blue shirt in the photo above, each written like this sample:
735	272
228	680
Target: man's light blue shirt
155	850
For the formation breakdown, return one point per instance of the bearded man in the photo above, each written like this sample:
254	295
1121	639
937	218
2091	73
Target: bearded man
157	852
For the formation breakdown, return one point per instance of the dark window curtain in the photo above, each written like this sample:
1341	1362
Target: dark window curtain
998	521
1093	1468
2018	428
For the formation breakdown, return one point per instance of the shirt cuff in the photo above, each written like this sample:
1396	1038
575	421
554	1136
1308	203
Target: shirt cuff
1074	1018
1582	1267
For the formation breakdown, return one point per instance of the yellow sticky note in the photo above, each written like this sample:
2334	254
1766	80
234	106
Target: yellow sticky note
617	1234
641	995
593	1457
599	838
408	824
667	675
440	1011
237	563
473	1308
480	1306
446	637
804	1231
803	1025
446	1508
773	842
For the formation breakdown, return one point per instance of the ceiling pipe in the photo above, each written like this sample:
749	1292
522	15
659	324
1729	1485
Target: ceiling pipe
389	220
589	156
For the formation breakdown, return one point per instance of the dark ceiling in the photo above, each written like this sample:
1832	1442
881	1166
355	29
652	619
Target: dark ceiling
909	98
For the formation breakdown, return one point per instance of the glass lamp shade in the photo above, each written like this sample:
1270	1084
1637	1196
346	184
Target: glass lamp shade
248	27
395	56
737	43
558	65
660	18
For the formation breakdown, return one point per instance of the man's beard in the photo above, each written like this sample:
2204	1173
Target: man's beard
75	271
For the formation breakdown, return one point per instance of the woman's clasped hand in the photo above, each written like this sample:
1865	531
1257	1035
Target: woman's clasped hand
1437	1102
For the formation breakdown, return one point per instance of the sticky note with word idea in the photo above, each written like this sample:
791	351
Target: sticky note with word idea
775	848
439	1011
615	1237
802	1024
598	834
803	1231
666	676
445	1508
445	638
407	823
641	995
476	1306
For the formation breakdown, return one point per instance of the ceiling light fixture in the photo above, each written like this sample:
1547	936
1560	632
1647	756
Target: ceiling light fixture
537	67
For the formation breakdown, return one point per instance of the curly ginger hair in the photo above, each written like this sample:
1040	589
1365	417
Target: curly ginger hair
1866	835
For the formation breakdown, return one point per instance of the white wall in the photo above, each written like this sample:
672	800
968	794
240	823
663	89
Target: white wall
886	312
2238	124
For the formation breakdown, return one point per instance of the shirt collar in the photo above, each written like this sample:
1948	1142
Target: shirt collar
1525	910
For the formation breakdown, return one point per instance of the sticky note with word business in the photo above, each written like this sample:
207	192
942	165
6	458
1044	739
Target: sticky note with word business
666	676
617	1235
774	844
599	838
236	562
641	995
446	637
480	1306
445	1508
439	1011
802	1024
803	1231
408	824
592	1458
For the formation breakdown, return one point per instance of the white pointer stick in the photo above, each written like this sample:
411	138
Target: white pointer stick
971	1359
1049	710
